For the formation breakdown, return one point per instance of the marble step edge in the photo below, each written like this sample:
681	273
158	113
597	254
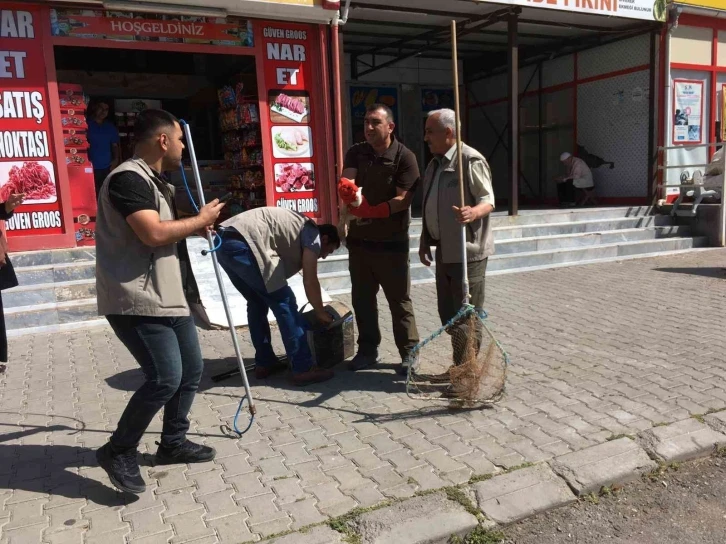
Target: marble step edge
54	285
665	218
521	270
49	306
343	256
90	263
694	239
59	328
43	267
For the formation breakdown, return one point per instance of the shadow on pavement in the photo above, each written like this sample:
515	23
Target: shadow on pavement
51	469
708	272
373	379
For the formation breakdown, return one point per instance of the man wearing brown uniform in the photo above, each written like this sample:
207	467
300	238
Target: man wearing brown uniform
377	240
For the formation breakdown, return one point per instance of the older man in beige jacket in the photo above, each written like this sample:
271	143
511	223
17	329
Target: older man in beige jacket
443	216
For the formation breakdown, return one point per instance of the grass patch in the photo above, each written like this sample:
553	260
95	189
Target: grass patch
481	478
592	498
661	424
619	436
341	524
518	467
479	536
699	417
484	477
661	470
458	495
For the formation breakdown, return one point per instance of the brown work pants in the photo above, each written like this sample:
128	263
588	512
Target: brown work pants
371	270
450	298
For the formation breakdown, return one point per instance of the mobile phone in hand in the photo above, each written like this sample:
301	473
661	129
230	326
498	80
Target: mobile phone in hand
225	198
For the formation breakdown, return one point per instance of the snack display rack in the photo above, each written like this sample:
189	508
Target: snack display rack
239	121
73	103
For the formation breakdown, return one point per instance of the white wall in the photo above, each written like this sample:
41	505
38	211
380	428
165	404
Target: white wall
409	76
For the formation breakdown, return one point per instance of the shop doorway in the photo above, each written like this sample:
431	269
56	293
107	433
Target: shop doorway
215	93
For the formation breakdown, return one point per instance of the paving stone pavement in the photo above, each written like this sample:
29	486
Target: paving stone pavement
597	351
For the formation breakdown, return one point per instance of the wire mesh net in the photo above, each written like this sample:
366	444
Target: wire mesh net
462	363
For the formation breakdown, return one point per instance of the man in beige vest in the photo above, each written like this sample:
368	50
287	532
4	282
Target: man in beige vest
142	293
443	217
260	250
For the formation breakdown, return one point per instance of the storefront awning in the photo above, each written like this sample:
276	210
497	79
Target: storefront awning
401	29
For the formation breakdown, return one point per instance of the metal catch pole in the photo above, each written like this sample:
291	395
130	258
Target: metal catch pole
218	272
460	166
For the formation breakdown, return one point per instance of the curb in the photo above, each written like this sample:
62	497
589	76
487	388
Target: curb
490	501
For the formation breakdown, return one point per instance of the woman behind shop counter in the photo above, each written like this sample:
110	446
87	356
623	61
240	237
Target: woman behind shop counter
8	278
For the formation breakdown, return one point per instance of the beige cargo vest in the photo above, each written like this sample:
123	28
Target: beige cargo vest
274	236
131	277
479	236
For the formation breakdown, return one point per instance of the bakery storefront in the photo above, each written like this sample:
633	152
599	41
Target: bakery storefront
252	91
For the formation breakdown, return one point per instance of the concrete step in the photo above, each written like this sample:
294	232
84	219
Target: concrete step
557	229
339	281
49	293
565	215
339	261
55	273
52	256
51	314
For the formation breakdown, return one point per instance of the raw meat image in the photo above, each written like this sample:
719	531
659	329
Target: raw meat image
295	105
289	107
32	178
294	177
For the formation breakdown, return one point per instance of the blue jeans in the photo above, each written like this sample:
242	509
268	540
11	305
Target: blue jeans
238	261
167	349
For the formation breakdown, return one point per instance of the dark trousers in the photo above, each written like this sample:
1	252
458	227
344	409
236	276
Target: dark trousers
238	261
371	270
167	350
450	299
3	335
98	178
566	192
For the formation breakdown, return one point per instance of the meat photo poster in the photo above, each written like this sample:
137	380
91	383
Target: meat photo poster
27	158
289	108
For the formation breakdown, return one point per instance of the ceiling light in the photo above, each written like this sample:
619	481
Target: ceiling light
167	9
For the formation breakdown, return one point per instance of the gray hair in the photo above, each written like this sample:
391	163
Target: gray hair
447	118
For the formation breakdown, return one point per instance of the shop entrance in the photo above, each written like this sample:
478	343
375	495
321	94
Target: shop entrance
215	93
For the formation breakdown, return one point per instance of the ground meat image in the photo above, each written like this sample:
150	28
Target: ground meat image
33	179
295	177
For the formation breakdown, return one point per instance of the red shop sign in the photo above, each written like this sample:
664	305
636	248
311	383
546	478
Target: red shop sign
287	50
83	23
27	159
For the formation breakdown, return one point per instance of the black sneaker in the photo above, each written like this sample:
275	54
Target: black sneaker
360	361
122	469
188	452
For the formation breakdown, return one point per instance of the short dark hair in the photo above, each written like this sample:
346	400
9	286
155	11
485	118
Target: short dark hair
331	231
150	122
381	107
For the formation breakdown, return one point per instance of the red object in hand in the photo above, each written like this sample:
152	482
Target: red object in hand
347	190
366	211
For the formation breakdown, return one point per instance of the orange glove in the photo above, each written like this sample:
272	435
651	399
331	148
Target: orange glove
348	191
